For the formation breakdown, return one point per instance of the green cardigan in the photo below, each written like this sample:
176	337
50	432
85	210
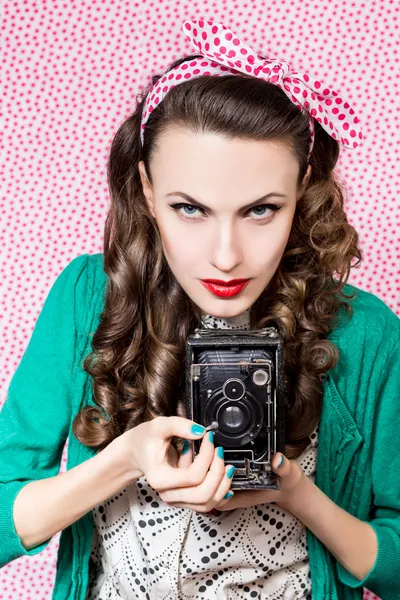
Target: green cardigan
359	433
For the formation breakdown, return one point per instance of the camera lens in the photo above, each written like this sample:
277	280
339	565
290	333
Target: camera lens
236	409
233	418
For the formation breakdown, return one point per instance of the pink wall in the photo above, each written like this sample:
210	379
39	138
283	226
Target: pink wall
71	72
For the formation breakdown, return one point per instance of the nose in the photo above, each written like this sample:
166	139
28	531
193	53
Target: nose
226	250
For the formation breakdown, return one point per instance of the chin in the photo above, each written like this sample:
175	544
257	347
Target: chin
226	309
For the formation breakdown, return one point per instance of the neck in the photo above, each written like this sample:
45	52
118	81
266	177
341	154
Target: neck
241	321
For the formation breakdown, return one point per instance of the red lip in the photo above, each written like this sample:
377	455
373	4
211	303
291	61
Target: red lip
224	291
220	282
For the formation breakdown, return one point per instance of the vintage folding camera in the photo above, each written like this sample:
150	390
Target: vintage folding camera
235	385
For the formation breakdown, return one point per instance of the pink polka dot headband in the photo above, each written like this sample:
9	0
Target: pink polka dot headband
224	54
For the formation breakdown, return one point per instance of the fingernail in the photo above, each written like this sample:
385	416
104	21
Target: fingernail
198	429
211	436
281	461
228	495
186	447
220	452
231	471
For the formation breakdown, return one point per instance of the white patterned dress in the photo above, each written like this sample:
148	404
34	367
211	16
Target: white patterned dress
144	549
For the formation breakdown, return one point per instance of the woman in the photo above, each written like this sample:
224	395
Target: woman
217	177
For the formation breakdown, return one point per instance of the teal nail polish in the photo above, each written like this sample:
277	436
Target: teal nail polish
211	436
186	447
198	429
220	452
231	471
228	495
282	461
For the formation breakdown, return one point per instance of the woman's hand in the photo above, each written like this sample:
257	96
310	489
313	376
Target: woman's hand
291	477
290	473
198	484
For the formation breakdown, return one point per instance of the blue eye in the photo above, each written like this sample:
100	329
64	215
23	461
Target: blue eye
183	205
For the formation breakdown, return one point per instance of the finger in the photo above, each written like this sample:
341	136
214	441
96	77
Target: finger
172	456
168	427
288	470
211	490
279	465
245	498
165	477
226	502
205	456
222	493
186	457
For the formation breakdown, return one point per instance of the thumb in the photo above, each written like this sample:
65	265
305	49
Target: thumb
289	471
281	465
179	427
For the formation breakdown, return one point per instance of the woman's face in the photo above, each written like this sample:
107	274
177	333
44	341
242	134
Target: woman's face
225	240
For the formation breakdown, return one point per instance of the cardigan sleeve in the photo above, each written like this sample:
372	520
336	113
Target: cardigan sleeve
383	578
35	417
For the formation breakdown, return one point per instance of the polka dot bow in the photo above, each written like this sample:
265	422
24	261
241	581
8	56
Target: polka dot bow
223	53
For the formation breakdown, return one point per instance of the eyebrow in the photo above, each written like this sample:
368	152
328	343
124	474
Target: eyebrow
190	199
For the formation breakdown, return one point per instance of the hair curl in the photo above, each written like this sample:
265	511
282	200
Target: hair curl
139	345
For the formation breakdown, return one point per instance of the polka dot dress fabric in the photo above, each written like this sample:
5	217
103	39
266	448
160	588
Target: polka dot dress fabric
144	548
71	71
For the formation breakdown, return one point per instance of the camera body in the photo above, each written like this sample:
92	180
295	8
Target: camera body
235	383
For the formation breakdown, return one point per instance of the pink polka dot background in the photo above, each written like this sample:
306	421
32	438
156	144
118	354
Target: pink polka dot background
71	71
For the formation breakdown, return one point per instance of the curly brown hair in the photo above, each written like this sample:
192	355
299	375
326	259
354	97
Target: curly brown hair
139	345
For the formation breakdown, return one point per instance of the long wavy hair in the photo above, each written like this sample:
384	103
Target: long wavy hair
138	348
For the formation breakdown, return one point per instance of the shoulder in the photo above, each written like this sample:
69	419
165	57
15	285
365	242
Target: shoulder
367	372
85	270
367	343
90	266
82	281
372	325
